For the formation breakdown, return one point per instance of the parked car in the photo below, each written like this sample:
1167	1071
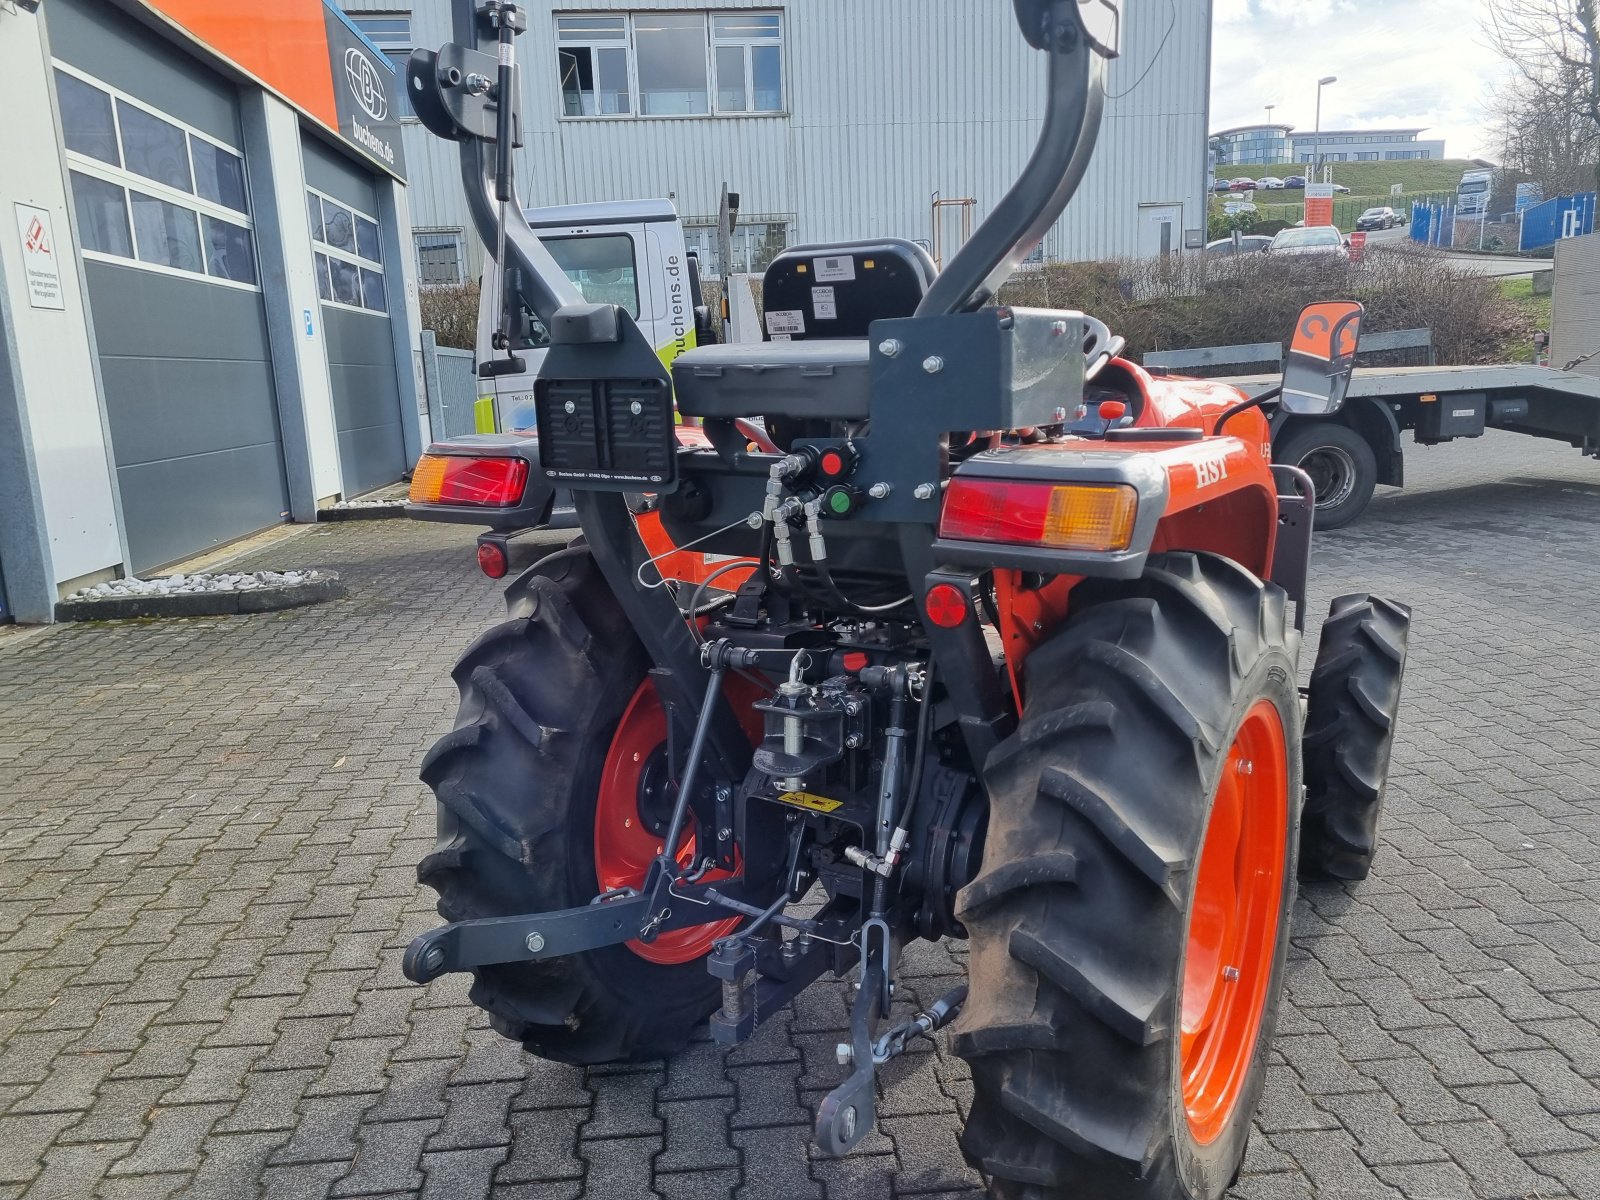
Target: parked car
1270	182
1341	190
1295	181
1379	218
1242	185
1221	185
1238	206
1311	239
1249	243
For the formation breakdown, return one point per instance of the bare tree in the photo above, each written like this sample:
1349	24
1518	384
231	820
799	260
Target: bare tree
1555	47
1543	133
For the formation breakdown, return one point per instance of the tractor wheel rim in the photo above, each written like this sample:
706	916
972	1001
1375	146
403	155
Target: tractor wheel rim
1233	924
1333	475
624	845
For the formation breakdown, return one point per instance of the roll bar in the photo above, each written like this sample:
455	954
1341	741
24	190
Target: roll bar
456	91
1078	36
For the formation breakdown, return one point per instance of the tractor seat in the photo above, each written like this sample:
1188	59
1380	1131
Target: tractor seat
837	290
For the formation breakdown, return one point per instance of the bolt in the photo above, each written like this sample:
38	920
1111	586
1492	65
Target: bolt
627	822
478	84
724	834
1245	767
569	407
636	408
933	364
1058	328
1061	414
845	1053
847	1123
433	959
1231	974
853	741
534	942
923	491
890	347
880	490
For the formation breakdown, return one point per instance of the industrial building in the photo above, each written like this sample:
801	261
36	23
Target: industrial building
833	119
207	282
1283	145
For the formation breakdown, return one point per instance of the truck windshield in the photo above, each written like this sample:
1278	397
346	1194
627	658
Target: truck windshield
601	266
1474	187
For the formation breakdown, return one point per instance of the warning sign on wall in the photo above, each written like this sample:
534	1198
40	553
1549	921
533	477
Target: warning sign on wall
1319	204
40	257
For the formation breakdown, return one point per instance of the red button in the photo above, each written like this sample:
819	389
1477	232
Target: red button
832	463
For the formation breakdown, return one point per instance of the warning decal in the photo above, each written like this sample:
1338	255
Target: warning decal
810	800
786	320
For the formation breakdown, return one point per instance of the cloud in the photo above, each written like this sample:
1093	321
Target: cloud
1400	63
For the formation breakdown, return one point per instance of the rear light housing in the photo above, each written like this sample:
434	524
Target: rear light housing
472	482
1074	516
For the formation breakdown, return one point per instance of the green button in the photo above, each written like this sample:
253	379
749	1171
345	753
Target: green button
840	502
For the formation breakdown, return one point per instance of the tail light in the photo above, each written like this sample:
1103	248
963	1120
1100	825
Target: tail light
479	482
1069	516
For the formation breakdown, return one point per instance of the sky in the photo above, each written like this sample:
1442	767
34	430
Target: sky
1399	63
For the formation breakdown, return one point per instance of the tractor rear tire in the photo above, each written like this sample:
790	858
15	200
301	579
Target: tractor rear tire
517	783
1118	1049
1350	716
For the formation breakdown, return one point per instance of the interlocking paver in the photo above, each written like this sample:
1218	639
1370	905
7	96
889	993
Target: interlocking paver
199	966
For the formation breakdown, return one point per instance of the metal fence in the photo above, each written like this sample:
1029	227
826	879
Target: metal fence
1564	217
452	382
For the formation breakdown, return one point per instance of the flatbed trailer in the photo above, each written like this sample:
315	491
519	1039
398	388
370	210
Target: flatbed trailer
1346	455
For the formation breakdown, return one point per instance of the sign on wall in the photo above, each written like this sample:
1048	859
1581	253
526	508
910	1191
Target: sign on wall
1319	204
363	83
40	261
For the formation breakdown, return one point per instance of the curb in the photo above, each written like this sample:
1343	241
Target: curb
367	512
204	604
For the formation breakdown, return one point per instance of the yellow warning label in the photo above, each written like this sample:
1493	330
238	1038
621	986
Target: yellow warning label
807	800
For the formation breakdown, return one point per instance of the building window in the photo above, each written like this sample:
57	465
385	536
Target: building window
755	243
441	258
390	32
1366	156
348	255
150	191
670	64
748	57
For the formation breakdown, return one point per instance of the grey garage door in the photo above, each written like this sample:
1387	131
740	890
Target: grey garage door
343	207
163	219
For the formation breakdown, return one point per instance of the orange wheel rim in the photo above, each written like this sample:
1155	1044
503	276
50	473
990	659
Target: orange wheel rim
630	818
1233	924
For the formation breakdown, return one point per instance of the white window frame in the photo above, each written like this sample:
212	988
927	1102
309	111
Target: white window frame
629	45
458	236
318	246
594	47
122	177
746	45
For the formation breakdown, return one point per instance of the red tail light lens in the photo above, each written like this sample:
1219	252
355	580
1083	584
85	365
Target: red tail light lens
480	482
1070	516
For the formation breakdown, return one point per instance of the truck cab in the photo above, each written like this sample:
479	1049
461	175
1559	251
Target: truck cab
630	253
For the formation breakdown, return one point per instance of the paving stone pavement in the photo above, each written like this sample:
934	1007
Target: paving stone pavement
209	829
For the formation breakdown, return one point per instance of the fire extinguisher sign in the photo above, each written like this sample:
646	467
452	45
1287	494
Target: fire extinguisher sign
41	261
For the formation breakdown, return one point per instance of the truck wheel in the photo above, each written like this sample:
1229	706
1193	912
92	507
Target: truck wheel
551	790
1341	464
1350	715
1130	921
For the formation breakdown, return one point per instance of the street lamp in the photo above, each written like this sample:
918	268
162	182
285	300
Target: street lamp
1316	143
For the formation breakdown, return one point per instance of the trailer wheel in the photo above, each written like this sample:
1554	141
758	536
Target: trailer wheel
1341	464
1350	715
545	791
1130	921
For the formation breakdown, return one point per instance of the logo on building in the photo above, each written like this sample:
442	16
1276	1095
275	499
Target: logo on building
367	84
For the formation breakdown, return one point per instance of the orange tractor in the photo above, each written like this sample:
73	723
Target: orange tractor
989	635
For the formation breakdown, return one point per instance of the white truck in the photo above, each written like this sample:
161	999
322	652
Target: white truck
1474	193
631	253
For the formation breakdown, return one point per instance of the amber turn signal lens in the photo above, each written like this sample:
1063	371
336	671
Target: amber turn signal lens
427	480
1090	518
